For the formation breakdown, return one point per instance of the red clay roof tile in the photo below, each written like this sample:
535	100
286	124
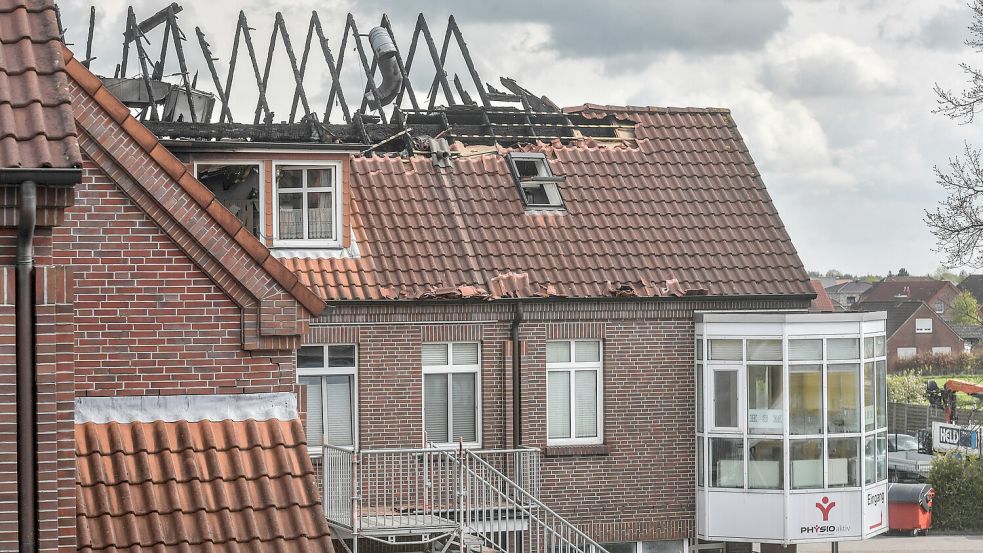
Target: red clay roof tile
37	129
684	203
209	486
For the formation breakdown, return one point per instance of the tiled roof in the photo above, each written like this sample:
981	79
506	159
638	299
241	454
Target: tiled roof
178	171
213	487
822	303
683	202
974	285
37	129
920	289
968	332
898	311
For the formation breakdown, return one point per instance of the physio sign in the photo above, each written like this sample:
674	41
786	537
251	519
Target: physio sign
824	515
946	437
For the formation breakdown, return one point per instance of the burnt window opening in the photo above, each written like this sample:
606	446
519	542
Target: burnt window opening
538	187
236	186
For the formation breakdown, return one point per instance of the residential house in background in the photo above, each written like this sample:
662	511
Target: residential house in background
846	294
971	335
937	294
471	325
974	285
914	328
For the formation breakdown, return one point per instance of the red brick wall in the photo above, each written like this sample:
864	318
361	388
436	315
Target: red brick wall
639	485
906	337
148	320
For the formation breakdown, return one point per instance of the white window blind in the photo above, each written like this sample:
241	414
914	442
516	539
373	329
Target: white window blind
315	409
843	348
805	350
586	403
588	351
451	391
726	350
435	407
573	391
558	404
764	350
558	352
923	326
327	374
434	354
907	353
338	415
464	412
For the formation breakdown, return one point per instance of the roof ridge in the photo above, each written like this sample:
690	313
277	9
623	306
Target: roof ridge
587	106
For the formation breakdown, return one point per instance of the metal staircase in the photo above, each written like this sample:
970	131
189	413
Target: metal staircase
444	500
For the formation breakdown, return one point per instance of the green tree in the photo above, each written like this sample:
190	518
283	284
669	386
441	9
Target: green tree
966	310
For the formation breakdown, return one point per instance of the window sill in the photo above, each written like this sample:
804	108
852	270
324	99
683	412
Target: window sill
577	450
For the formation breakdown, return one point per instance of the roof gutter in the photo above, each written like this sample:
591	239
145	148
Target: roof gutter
49	177
564	299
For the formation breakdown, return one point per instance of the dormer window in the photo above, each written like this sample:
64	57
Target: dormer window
308	205
537	185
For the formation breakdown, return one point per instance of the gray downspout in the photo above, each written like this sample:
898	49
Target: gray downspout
27	501
516	376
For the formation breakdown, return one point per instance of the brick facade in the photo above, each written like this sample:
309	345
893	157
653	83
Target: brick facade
639	484
149	320
941	336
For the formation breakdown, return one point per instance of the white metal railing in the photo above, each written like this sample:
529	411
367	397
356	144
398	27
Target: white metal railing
481	500
510	519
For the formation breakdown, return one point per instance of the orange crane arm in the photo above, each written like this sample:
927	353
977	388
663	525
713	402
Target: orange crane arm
968	388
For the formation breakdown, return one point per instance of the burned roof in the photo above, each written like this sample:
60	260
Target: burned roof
680	209
37	129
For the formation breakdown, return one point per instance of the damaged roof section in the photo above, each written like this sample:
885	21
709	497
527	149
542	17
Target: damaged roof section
683	211
37	129
408	91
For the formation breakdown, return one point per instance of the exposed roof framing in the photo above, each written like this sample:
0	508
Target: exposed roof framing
453	107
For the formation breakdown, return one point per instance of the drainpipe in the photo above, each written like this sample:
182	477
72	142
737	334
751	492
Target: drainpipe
27	504
516	376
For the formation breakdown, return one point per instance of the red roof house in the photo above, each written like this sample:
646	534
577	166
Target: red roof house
261	342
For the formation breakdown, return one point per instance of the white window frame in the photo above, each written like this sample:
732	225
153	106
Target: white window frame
337	194
262	179
938	306
906	353
320	372
923	325
571	368
450	369
942	350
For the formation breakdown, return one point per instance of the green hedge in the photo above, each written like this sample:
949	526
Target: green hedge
953	363
958	487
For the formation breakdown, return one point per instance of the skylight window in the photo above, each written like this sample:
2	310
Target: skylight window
537	185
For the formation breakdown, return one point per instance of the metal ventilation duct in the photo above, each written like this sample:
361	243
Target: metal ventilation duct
385	54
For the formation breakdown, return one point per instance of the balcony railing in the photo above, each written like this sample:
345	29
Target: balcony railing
480	500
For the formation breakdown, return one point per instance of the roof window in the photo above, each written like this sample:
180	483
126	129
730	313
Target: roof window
537	185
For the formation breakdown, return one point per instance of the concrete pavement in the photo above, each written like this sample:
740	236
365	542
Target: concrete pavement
904	544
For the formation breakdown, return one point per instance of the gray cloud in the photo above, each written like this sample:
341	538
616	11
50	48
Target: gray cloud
613	29
946	30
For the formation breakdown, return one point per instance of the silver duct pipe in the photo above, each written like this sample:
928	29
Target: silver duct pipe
385	55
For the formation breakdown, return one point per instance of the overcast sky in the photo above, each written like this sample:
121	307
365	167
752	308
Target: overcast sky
834	97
